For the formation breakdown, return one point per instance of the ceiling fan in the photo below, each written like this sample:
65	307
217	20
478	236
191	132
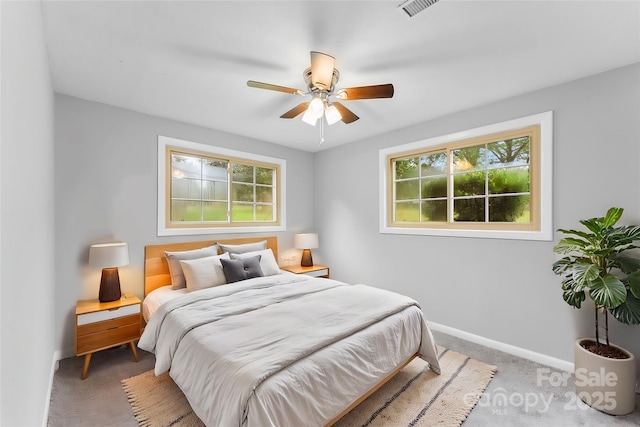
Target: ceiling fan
321	79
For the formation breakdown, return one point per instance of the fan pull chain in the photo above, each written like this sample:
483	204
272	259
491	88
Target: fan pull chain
321	130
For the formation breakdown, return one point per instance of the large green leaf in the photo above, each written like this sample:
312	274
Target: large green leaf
627	232
562	265
612	216
607	291
585	273
568	245
625	263
628	312
594	225
634	283
573	298
568	284
587	236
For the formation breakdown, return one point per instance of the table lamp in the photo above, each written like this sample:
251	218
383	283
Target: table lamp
109	256
306	242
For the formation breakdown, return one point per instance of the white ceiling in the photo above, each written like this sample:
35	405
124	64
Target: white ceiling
190	61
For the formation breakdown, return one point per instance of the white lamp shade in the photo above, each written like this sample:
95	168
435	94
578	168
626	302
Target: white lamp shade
106	255
332	114
305	241
309	118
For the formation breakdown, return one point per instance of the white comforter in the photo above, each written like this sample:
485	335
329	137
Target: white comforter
283	350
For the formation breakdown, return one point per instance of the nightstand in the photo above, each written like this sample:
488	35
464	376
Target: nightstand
101	325
315	270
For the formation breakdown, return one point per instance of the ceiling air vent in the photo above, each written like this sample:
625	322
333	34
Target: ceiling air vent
413	7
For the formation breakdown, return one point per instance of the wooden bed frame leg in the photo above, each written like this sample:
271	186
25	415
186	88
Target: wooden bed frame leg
132	346
370	392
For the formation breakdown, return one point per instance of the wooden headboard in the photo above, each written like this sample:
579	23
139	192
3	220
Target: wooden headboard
156	268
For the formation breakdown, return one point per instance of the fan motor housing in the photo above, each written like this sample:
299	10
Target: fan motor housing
312	88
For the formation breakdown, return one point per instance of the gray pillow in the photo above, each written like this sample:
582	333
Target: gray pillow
246	247
175	269
236	270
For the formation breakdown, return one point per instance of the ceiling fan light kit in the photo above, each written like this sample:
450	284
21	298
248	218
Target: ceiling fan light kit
321	79
332	114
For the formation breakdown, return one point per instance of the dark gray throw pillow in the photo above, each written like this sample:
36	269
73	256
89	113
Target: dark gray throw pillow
236	270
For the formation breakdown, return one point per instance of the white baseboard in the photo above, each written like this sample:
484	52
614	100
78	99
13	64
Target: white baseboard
57	355
543	359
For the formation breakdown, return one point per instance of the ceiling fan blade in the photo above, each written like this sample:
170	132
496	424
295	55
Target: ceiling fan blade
366	92
268	86
322	69
347	115
295	111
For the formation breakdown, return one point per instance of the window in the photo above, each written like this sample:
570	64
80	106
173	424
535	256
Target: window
493	181
204	189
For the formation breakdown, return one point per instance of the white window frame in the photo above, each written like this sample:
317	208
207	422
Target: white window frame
165	142
544	233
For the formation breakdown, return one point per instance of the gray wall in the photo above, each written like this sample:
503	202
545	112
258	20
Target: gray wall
26	218
503	290
106	188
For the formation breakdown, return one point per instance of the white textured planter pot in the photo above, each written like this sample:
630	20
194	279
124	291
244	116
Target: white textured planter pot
608	385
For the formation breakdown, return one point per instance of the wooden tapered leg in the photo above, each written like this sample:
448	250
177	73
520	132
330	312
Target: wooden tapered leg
85	368
132	346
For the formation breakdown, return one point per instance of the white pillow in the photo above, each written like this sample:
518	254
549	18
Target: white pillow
204	273
175	270
268	262
243	248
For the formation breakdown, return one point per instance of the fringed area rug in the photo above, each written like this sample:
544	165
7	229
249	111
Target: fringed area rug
414	397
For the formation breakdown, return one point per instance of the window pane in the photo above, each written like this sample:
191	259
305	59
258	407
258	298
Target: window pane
511	152
214	211
183	166
469	210
510	209
241	212
185	188
242	192
214	190
180	188
408	190
214	169
434	210
407	168
264	212
182	210
510	180
407	212
469	158
434	187
468	184
264	194
433	164
264	176
242	173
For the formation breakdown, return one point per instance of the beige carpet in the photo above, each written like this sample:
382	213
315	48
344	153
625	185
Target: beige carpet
414	397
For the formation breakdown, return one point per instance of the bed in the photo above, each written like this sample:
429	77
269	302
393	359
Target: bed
277	349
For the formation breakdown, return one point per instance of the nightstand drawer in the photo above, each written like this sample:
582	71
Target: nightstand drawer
106	325
99	316
96	341
318	273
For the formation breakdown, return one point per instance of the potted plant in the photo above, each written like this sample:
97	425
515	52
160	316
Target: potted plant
594	263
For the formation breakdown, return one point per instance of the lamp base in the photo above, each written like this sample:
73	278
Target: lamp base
307	260
110	285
